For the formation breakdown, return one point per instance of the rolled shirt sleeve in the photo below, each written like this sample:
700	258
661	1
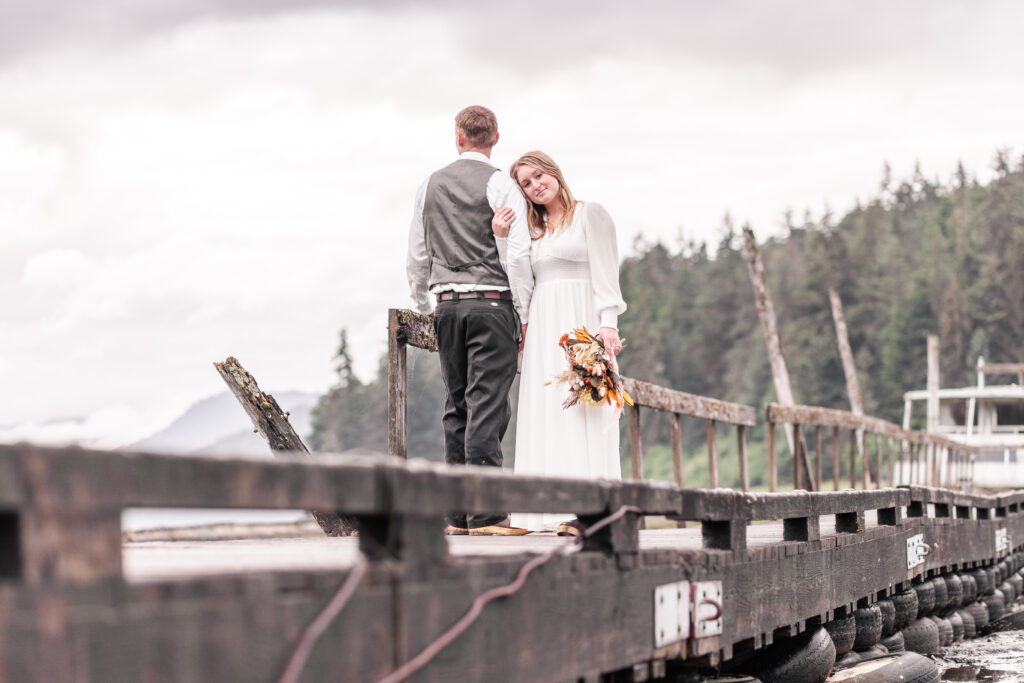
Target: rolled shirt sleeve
504	193
603	252
417	265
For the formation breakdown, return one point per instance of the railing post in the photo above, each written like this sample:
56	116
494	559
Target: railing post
636	452
677	449
865	461
835	458
853	458
878	461
890	451
817	457
741	443
712	454
773	477
797	459
397	389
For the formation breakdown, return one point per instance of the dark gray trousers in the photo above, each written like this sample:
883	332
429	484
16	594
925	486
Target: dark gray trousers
477	341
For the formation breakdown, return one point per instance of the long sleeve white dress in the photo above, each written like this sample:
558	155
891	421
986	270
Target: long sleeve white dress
576	275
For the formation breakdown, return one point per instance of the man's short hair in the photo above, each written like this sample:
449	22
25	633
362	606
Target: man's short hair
479	125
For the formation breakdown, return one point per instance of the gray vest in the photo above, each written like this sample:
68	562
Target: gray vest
457	226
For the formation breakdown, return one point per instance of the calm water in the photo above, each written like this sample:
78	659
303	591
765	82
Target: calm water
136	519
998	657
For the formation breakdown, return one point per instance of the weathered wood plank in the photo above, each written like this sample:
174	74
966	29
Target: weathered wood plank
691	405
272	424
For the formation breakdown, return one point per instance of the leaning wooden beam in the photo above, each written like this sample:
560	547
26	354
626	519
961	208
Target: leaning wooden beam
766	312
270	422
849	368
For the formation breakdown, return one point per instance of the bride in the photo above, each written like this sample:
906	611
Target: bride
575	264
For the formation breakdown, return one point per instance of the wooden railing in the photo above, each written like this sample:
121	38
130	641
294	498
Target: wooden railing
922	457
68	611
407	328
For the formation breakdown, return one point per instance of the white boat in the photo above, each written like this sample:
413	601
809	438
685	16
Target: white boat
990	417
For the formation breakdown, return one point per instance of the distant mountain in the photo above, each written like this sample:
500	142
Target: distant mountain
219	425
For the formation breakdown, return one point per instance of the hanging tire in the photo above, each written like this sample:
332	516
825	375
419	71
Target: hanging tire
907	667
957	623
981	580
945	631
922	636
925	598
894	643
955	591
970	587
1017	582
941	594
906	608
994	580
1004	571
843	632
996	604
968	621
806	658
1008	593
979	611
888	611
868	623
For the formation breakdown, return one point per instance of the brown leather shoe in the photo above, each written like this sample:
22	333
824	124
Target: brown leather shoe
570	528
450	530
502	528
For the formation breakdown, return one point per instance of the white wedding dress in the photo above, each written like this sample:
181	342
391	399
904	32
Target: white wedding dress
576	274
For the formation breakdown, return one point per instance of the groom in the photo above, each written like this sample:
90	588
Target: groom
482	284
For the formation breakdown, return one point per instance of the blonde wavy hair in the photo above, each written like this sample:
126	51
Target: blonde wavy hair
538	213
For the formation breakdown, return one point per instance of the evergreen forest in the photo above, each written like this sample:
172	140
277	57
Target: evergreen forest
922	257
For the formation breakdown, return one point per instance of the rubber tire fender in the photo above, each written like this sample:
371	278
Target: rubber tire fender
843	632
907	667
981	579
1008	593
806	658
925	598
868	627
979	612
955	591
922	636
968	621
945	631
906	608
894	643
970	589
957	622
1018	585
941	594
888	611
996	604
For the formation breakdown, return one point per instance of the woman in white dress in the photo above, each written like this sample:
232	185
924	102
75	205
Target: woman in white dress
576	274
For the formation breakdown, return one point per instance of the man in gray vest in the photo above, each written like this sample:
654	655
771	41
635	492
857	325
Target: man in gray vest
454	255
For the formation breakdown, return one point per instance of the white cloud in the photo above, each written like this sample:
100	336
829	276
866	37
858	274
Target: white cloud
243	186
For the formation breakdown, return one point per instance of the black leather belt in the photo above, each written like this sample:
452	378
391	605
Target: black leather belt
485	294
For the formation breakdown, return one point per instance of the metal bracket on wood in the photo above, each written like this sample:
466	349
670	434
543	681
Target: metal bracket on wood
708	609
671	613
917	549
1003	543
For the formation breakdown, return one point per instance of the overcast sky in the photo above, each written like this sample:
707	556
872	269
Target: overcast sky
183	180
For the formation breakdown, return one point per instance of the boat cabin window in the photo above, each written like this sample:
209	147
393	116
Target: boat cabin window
1008	414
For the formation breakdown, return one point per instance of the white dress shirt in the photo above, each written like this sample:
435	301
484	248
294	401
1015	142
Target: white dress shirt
513	251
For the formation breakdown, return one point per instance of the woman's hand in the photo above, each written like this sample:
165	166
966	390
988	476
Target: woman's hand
502	221
610	337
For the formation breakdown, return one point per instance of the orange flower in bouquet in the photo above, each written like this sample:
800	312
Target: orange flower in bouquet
592	376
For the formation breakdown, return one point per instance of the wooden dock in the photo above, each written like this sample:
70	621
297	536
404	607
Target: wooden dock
77	604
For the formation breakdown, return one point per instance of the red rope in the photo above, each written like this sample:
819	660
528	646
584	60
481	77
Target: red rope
297	661
446	638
